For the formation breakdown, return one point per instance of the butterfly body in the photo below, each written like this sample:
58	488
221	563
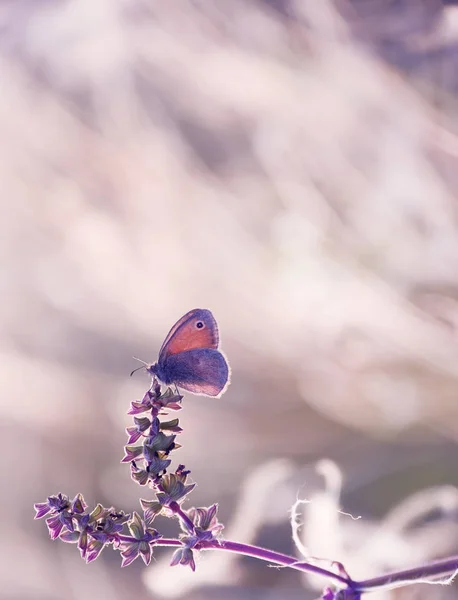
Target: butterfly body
189	356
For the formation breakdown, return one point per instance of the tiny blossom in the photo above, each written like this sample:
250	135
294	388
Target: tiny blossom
94	549
170	400
151	509
205	520
158	443
141	545
141	476
55	525
183	556
42	509
54	504
137	430
93	530
78	505
174	488
71	522
328	594
131	453
61	517
146	403
157	465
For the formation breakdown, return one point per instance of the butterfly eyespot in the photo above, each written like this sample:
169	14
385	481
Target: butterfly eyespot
199	324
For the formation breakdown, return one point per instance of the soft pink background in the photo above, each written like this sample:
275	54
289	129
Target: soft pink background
291	165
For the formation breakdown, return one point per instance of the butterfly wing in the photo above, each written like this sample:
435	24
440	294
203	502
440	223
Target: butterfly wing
196	329
200	371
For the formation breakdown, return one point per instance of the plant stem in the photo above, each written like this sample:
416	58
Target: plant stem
440	568
182	515
279	559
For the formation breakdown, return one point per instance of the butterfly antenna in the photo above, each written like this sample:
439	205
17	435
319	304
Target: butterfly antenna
145	365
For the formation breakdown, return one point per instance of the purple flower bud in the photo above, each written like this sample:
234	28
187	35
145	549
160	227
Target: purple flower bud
170	399
151	509
67	520
133	434
119	516
99	512
156	465
42	509
59	502
160	442
174	487
136	526
205	519
137	408
183	556
129	552
144	404
83	543
94	548
142	546
182	473
78	505
145	552
136	431
55	526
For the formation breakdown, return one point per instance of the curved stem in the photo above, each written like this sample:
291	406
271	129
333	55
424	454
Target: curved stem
277	558
267	555
440	568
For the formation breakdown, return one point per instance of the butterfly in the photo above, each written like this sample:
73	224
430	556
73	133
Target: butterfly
189	356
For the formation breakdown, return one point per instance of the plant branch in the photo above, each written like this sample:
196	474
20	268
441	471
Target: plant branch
278	558
421	574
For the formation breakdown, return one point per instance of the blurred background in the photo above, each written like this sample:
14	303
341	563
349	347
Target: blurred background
291	165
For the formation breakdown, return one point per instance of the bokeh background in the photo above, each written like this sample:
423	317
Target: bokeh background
291	165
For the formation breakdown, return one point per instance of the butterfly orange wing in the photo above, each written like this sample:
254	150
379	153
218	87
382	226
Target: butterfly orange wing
195	329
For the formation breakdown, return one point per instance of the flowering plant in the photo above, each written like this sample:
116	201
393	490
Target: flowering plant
134	534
